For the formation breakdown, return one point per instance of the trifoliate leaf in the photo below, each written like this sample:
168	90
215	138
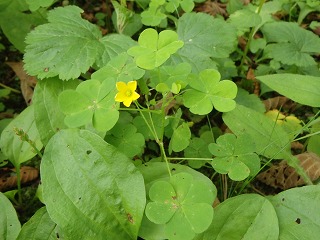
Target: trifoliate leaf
208	92
186	204
186	5
198	148
235	156
154	49
294	45
66	46
91	102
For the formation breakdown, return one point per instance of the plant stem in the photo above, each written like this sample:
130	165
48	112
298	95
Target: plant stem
9	88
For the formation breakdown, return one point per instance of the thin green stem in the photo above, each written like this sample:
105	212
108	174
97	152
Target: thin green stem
9	88
141	110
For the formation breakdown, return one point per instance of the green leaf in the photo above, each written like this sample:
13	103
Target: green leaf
155	171
36	4
249	100
180	138
208	92
90	188
121	67
16	150
126	139
300	88
294	45
244	19
204	38
154	49
298	212
182	204
270	139
235	156
113	44
91	102
198	147
246	217
154	15
16	23
66	46
186	5
39	226
48	116
9	222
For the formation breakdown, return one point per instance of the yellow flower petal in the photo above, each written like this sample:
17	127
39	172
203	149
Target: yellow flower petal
132	85
126	92
135	96
121	86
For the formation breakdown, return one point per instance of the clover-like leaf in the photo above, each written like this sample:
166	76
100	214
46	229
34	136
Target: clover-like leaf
126	139
154	14
235	156
294	45
186	5
197	147
121	67
208	92
180	138
154	49
91	102
183	204
66	46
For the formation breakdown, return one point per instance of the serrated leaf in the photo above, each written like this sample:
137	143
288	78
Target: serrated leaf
294	45
107	202
66	46
39	226
36	4
48	116
154	49
204	38
300	88
247	216
16	150
180	138
208	92
298	212
9	222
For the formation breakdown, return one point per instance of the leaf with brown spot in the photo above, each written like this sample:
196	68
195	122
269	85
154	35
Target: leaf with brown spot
283	176
8	177
27	82
278	102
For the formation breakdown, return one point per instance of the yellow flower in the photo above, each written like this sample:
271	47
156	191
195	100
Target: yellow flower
126	92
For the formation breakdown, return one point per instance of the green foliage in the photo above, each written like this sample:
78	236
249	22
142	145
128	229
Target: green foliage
208	92
9	222
235	156
154	49
290	44
97	185
180	138
300	88
91	102
183	205
239	217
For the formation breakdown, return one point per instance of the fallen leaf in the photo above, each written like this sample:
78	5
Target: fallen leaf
27	82
278	102
283	176
8	177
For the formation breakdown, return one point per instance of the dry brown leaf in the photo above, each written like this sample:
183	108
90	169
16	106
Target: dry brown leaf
278	102
8	178
213	8
27	82
251	76
284	176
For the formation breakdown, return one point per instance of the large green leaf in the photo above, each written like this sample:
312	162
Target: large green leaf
16	150
270	139
66	46
294	45
39	226
300	88
204	38
9	222
90	189
298	213
48	116
245	217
